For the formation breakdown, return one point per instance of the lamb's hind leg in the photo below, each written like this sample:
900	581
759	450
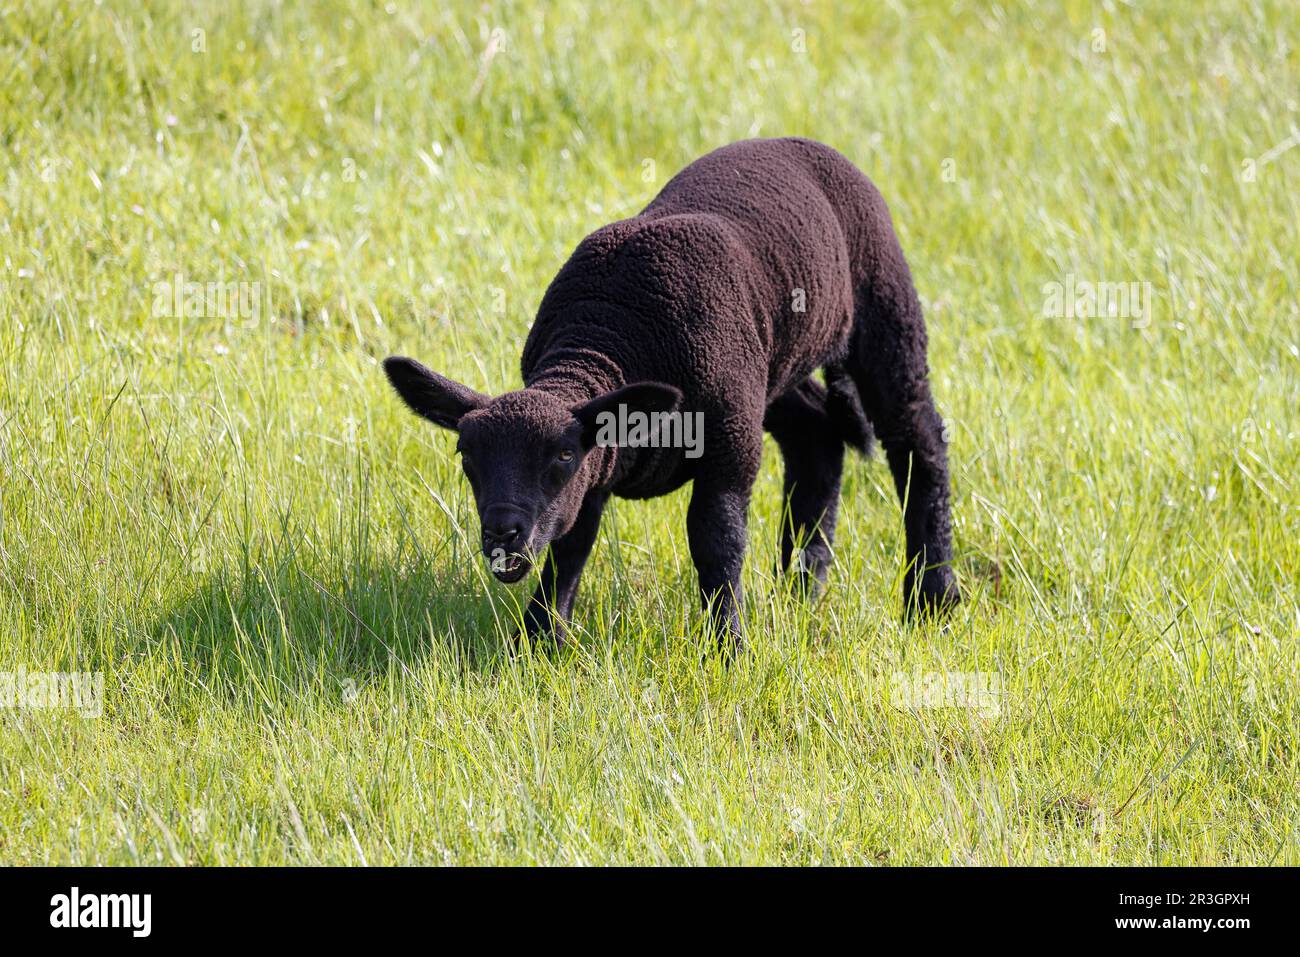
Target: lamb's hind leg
813	453
888	362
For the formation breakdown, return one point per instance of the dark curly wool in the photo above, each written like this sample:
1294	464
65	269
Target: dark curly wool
757	265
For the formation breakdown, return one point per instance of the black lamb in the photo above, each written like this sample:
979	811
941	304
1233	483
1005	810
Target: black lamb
757	265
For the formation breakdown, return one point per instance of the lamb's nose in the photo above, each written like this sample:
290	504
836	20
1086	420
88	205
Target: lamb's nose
504	536
502	528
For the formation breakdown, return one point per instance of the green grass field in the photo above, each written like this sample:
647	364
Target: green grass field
227	513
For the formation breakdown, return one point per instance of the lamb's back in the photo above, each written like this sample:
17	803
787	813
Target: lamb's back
745	259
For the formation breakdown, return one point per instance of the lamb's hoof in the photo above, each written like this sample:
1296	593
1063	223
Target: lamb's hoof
805	573
730	643
803	585
937	595
725	645
811	584
550	633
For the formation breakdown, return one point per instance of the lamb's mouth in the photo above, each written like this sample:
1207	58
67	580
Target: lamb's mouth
511	568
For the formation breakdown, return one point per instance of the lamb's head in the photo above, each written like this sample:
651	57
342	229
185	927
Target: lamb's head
525	454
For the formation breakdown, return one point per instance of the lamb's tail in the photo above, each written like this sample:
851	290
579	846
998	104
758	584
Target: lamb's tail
842	405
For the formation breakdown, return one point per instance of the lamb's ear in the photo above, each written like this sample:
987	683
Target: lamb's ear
647	397
437	398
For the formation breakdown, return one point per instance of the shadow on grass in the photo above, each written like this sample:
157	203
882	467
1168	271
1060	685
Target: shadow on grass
269	628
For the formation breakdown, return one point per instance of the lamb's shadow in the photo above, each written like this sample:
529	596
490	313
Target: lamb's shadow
279	626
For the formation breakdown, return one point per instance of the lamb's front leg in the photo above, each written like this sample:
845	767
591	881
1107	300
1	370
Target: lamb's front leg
551	606
715	527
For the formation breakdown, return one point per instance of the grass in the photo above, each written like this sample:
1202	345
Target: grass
272	563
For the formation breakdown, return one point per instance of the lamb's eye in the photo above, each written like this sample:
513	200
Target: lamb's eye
565	456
